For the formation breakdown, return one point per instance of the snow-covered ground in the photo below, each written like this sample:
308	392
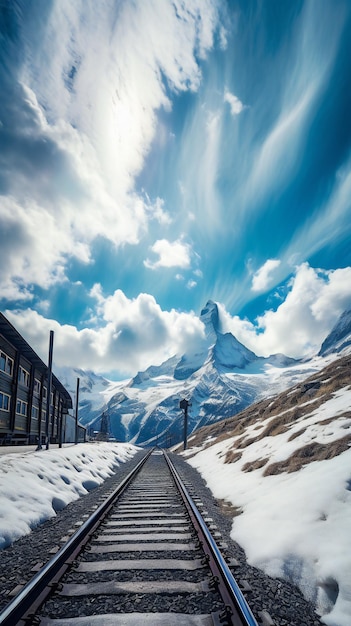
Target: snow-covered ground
294	525
35	485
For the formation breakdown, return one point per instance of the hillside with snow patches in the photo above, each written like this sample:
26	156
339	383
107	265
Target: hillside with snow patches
219	380
282	469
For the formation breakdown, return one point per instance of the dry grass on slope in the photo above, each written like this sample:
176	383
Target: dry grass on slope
278	415
313	451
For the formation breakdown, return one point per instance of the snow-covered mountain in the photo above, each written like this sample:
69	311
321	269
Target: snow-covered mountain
219	379
339	339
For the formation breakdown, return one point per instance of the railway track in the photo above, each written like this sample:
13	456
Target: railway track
145	556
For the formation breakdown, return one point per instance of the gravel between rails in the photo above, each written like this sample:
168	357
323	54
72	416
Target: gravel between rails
284	602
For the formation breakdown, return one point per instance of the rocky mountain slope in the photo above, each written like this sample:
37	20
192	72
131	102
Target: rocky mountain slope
340	337
219	380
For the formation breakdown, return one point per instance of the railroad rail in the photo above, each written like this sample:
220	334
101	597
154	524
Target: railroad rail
145	556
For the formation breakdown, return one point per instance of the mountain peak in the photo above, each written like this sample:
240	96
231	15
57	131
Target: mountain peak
210	318
230	354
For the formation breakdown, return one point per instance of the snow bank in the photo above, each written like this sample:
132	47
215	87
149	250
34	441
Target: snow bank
35	485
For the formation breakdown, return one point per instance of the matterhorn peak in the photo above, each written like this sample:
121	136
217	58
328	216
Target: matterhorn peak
210	318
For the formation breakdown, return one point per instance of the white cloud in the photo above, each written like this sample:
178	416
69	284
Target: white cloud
262	279
297	328
157	211
80	121
198	273
236	106
176	254
130	334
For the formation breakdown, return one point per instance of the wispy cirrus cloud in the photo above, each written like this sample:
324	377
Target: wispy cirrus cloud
277	156
330	225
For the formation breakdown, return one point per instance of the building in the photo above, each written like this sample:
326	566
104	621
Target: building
23	393
69	434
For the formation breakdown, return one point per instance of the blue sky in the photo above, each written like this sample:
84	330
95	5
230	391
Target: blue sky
157	155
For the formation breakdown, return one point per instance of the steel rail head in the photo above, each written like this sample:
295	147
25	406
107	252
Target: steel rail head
22	602
233	595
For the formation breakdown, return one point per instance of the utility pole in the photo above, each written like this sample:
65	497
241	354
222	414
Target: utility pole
48	399
184	404
77	400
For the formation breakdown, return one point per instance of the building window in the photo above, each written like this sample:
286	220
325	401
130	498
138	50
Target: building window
6	364
23	376
4	401
37	386
35	412
21	407
45	393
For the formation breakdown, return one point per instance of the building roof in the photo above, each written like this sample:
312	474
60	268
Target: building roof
14	337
